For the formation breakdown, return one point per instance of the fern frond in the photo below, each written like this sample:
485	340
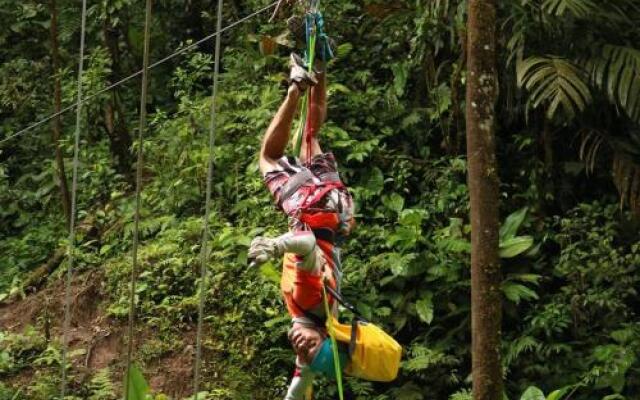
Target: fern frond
554	82
519	346
69	22
101	387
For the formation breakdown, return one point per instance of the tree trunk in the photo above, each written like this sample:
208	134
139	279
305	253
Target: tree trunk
57	122
486	297
114	117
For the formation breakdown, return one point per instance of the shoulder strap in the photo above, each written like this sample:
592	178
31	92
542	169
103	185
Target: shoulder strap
343	302
296	182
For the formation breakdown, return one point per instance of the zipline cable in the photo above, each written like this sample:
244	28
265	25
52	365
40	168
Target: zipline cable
204	250
139	167
136	74
72	215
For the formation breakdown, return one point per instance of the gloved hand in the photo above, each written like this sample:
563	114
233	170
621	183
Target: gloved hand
263	249
300	76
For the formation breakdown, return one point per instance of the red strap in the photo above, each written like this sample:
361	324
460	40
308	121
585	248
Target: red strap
309	134
326	188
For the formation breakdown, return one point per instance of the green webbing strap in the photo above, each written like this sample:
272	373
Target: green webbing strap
334	343
311	48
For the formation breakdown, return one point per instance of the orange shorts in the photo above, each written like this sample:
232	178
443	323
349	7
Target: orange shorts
301	289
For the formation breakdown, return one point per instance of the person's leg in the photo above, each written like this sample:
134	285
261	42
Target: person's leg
316	116
277	136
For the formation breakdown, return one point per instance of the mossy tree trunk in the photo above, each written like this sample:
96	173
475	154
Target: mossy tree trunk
486	298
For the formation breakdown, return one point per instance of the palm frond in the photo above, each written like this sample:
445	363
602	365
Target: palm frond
69	22
591	142
554	82
616	71
578	8
626	162
626	176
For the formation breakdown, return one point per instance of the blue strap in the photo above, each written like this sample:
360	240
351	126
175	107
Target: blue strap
316	19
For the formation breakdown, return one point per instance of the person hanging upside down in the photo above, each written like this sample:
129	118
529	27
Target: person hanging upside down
320	210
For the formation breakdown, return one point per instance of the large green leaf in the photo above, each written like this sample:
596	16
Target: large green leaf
513	222
424	307
515	246
533	393
138	387
516	292
558	394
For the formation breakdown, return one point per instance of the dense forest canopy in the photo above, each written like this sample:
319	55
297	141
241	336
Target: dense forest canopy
568	148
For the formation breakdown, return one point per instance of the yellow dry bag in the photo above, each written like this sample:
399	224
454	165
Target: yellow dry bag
374	355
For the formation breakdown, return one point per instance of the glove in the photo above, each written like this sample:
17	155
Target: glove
300	76
263	249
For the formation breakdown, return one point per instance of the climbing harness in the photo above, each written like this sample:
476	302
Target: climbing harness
306	184
72	217
206	232
139	165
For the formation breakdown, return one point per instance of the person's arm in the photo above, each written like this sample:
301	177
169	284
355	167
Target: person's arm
277	136
316	116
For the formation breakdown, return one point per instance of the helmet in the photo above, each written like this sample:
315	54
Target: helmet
323	361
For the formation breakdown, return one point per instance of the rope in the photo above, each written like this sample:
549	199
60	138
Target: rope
136	74
303	132
139	165
204	250
72	216
334	343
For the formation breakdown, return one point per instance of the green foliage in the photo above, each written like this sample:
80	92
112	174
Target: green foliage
17	351
101	387
138	388
534	393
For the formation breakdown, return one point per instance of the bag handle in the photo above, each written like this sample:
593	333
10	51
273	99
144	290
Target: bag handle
344	303
354	322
